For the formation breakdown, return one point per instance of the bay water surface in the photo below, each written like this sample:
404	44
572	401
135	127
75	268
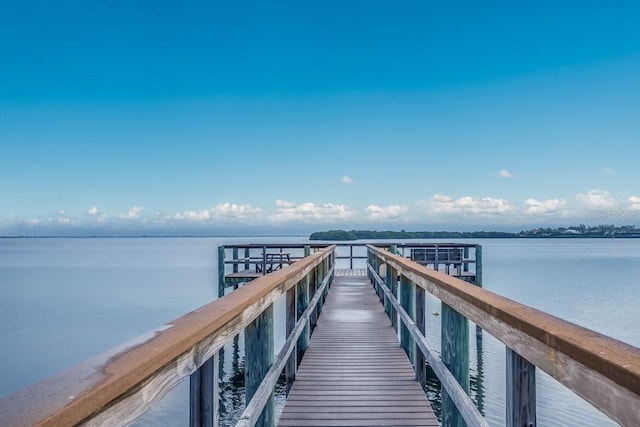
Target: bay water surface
63	301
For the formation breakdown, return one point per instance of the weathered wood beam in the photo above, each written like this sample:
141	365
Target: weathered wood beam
455	355
521	391
203	395
408	303
258	356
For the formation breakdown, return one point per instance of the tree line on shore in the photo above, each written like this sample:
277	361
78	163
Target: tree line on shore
578	231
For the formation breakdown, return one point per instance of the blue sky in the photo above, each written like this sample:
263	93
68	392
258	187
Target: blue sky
289	117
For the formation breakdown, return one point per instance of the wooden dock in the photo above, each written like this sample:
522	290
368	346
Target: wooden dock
354	372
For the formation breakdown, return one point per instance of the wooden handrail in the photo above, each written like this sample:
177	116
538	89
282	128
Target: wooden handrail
602	370
123	383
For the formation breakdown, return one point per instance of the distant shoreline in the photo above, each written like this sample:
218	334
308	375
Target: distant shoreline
581	232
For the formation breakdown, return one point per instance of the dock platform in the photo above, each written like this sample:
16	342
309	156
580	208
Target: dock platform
354	372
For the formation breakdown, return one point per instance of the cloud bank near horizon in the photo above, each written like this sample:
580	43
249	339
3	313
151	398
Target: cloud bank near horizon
439	211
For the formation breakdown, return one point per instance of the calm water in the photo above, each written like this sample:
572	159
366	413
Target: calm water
64	300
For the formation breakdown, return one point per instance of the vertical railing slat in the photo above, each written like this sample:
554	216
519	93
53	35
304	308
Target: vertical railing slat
455	356
235	258
221	280
521	391
421	372
301	306
258	358
408	302
291	318
203	395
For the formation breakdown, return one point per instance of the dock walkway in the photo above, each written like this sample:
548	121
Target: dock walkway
354	372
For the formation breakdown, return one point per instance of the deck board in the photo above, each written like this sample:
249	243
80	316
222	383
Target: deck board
354	372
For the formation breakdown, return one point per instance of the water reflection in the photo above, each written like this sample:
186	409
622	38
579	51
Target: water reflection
433	389
232	385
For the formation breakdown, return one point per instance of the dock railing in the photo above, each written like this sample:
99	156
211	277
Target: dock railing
602	370
241	263
119	386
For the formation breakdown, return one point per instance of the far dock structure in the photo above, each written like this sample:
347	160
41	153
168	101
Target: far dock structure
355	351
243	263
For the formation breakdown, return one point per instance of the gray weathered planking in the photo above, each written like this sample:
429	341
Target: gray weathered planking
354	372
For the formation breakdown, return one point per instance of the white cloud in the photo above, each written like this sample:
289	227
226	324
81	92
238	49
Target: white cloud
505	174
346	180
96	215
308	212
221	212
597	199
234	211
441	204
133	213
382	213
634	202
202	215
544	207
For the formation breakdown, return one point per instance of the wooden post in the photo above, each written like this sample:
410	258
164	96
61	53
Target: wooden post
235	258
465	255
521	391
421	371
301	306
378	267
307	250
408	302
203	395
455	356
318	279
478	279
221	280
479	375
291	317
247	256
264	260
387	303
313	319
258	356
351	257
322	273
394	291
436	263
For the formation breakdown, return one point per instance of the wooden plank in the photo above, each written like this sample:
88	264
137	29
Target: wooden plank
354	372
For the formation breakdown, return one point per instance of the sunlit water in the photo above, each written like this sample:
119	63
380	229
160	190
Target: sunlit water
64	300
